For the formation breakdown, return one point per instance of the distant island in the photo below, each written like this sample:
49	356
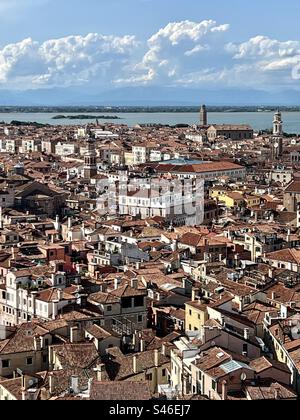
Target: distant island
85	117
17	123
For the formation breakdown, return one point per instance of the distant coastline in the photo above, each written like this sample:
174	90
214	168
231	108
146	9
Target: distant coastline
61	110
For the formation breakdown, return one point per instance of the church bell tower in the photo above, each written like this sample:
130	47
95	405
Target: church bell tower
203	116
277	138
90	160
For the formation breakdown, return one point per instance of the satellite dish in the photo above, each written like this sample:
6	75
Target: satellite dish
243	377
296	332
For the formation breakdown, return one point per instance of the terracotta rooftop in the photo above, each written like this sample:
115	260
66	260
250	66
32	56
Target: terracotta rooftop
122	391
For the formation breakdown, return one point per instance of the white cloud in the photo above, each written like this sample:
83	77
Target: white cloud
179	31
262	46
183	53
66	61
177	48
265	61
196	50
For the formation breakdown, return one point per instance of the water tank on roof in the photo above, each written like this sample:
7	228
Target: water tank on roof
19	169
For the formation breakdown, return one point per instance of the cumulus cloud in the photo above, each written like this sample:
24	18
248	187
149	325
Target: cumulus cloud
175	49
262	46
67	61
270	62
186	53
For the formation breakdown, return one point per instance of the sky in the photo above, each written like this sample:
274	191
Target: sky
105	46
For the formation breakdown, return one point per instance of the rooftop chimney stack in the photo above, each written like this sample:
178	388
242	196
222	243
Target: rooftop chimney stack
194	294
116	283
57	224
224	391
52	385
60	295
288	236
75	384
55	309
156	358
135	364
37	343
74	335
134	284
100	372
69	223
246	334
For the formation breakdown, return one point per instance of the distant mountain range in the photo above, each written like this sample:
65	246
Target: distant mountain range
151	96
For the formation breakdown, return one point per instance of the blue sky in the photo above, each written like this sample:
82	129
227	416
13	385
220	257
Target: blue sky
44	19
184	44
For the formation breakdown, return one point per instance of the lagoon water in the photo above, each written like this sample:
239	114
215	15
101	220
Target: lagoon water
258	120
